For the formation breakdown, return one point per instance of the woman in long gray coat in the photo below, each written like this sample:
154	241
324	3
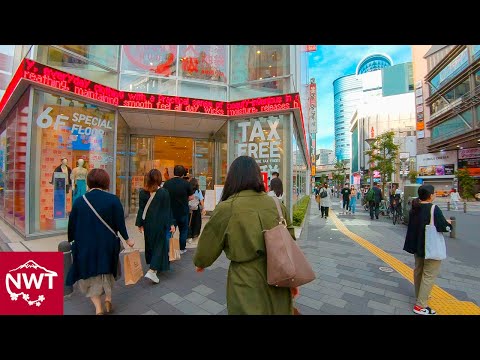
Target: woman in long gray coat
325	202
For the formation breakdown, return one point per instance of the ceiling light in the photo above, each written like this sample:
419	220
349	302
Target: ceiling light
258	51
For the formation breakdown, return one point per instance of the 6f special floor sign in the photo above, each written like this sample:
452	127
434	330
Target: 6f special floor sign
31	283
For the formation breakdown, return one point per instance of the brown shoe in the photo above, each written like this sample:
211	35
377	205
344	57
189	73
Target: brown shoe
100	313
108	307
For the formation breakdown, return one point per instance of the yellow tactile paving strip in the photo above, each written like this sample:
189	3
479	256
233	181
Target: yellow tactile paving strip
443	302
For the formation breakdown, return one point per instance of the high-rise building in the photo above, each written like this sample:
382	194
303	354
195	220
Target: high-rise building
130	108
325	157
447	85
350	91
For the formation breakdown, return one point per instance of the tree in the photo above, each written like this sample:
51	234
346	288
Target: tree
323	179
383	154
466	182
338	173
412	176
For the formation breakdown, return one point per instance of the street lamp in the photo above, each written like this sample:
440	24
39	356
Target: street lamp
370	142
404	156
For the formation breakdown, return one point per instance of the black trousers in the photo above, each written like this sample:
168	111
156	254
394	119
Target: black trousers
373	205
324	210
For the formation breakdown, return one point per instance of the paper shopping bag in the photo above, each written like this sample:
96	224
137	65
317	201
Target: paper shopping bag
174	248
132	267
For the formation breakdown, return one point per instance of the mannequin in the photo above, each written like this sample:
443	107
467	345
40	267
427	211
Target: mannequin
79	180
63	167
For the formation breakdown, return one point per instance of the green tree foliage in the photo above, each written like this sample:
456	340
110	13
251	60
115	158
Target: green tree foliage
412	176
383	153
338	174
466	182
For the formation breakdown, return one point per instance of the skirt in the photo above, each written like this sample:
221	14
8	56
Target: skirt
97	285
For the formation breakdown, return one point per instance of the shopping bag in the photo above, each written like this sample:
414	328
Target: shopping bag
174	248
132	267
435	248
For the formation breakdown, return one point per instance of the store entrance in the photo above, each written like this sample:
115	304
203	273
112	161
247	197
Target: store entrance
163	153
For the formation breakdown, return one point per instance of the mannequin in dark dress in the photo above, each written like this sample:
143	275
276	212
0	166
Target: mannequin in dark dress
64	168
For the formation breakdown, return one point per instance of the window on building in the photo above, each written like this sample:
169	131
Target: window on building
204	62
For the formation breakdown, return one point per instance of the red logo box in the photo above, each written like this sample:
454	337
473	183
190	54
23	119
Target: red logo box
31	283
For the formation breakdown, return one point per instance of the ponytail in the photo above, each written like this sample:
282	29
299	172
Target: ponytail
415	206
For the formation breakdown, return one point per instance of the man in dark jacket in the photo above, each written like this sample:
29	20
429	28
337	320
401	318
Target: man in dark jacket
375	203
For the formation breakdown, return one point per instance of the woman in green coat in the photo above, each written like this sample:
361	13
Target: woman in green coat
155	220
236	227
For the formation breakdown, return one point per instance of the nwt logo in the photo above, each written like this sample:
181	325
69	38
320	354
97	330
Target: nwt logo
25	281
32	283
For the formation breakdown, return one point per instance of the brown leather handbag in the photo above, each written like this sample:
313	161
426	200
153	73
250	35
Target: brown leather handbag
287	266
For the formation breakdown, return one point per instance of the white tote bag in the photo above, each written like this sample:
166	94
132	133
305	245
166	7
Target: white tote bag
435	248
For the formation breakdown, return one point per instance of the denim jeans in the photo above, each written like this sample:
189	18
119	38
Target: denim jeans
353	204
182	223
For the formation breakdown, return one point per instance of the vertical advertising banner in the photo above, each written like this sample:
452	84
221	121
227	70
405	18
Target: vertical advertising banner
261	138
312	114
419	110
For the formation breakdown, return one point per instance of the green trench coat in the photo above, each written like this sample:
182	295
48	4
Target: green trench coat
236	227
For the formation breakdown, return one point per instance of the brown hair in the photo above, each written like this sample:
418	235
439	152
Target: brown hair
153	180
98	178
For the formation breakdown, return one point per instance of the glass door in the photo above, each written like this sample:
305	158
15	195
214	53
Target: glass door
141	162
203	168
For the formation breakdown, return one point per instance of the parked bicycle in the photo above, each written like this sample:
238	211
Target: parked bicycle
397	214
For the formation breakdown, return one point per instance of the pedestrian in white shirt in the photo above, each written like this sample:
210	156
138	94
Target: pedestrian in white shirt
455	198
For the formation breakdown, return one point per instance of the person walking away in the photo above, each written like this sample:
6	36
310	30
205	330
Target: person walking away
346	198
195	224
325	200
455	198
374	197
353	199
236	227
154	220
96	246
180	192
426	270
276	188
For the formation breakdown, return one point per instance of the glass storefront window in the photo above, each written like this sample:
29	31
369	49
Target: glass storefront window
221	154
451	70
72	130
262	89
13	154
449	97
160	60
98	63
204	62
257	62
6	66
121	185
477	110
202	91
453	127
146	84
477	78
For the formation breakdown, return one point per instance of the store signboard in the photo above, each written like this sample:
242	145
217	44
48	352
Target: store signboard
470	159
437	164
419	110
469	153
310	48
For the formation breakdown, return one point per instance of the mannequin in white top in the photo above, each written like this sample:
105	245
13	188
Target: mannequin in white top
79	179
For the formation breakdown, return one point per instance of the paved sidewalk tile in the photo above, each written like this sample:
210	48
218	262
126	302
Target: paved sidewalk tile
195	298
172	298
203	290
212	306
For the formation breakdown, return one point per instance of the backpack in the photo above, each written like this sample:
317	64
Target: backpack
193	204
370	195
323	194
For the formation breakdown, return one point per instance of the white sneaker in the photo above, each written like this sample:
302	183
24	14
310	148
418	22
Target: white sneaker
152	276
183	251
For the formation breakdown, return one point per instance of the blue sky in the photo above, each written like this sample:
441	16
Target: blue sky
330	62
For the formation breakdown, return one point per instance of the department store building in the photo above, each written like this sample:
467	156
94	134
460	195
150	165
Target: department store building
130	108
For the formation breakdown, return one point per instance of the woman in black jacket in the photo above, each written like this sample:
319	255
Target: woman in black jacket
154	219
426	270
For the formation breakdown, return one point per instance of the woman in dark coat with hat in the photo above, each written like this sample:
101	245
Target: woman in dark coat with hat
95	249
